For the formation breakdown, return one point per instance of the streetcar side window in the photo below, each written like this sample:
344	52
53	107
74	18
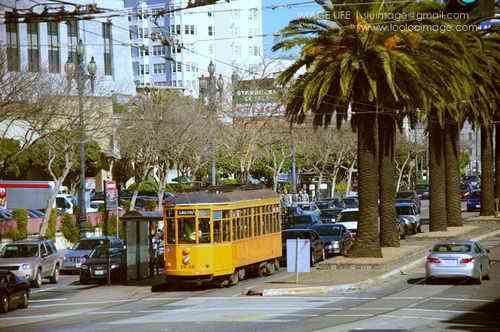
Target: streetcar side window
217	231
226	230
170	231
187	230
258	220
204	230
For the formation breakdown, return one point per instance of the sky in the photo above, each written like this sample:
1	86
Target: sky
278	18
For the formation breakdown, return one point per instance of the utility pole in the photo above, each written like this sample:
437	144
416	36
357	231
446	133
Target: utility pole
210	87
294	168
75	70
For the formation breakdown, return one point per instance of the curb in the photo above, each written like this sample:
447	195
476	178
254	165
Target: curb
358	285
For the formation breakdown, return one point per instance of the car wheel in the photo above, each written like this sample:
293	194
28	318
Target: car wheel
4	303
55	276
323	255
37	283
479	280
24	301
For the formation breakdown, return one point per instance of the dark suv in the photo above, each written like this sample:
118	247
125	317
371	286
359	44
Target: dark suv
95	267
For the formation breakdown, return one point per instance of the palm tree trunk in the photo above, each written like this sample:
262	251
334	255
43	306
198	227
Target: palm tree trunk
437	170
367	243
453	205
497	160
487	194
389	235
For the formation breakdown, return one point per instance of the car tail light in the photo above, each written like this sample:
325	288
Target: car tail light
466	260
433	260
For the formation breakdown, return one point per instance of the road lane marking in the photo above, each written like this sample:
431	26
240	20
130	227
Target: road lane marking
80	303
350	315
110	312
461	300
47	300
374	308
410	317
402	298
43	290
444	311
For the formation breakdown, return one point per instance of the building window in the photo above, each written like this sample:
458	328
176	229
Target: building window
178	29
12	47
211	49
54	47
33	48
144	69
211	31
135	68
179	67
144	51
191	29
186	29
179	84
188	67
158	50
108	49
210	14
72	39
252	14
172	29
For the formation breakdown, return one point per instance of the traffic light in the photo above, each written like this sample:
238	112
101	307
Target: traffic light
475	8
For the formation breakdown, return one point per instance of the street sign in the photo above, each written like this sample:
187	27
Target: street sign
298	255
111	195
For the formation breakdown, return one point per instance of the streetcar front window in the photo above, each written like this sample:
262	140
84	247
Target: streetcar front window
170	231
187	230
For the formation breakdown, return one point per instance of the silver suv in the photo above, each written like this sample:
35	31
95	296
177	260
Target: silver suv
32	259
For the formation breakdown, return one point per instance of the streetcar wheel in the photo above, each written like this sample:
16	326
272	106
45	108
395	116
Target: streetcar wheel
233	279
241	274
269	268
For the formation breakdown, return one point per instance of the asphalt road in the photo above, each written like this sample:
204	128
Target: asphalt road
405	303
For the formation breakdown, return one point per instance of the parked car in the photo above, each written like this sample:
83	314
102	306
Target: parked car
349	218
336	238
76	256
331	203
350	202
329	215
465	190
413	195
410	213
305	220
422	191
14	291
32	259
317	245
458	259
474	201
95	267
403	227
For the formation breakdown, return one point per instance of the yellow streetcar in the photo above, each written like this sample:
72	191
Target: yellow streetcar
222	237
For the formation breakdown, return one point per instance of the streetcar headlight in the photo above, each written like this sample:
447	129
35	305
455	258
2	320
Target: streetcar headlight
186	260
186	251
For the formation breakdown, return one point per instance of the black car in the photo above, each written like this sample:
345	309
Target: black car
305	220
329	215
336	238
332	203
14	291
317	246
95	267
350	202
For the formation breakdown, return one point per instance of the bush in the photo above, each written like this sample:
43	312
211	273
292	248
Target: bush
12	234
178	187
229	182
69	228
122	232
144	188
341	187
111	229
51	227
21	217
150	205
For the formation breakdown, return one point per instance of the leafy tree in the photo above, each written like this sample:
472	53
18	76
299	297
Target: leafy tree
51	227
21	217
69	228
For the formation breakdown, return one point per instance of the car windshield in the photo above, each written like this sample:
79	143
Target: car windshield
404	210
451	248
20	250
405	195
87	244
296	235
100	252
351	202
349	216
328	231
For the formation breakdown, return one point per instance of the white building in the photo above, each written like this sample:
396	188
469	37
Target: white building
227	33
45	47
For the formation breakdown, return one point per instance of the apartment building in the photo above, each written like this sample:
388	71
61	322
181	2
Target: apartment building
228	33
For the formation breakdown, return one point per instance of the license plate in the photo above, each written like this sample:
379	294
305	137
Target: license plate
450	261
99	273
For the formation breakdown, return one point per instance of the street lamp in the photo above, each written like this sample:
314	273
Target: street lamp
209	88
75	70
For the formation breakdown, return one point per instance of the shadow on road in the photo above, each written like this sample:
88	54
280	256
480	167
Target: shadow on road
483	318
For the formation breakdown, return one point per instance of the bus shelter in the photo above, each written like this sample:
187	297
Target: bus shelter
140	227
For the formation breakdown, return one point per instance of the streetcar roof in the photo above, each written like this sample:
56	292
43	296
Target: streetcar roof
208	197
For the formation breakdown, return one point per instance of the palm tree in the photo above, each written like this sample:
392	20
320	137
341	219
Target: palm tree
350	65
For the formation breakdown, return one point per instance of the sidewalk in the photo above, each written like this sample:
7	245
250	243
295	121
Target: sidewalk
350	274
